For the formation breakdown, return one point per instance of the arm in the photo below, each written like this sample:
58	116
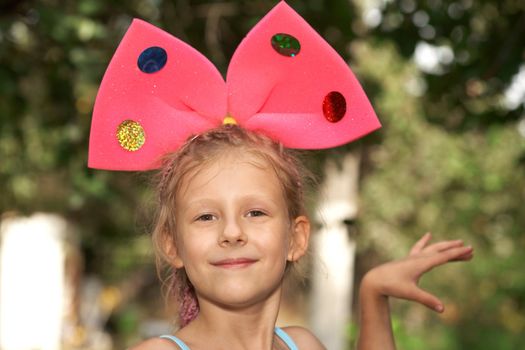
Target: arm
400	279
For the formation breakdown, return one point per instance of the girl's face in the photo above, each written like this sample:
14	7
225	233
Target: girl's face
234	235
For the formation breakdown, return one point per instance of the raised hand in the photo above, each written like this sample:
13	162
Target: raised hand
399	279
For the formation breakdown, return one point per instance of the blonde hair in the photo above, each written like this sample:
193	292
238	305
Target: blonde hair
196	153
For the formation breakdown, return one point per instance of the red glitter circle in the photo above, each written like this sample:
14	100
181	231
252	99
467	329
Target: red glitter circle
334	106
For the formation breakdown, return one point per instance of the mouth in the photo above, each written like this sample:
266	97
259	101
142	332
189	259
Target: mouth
236	263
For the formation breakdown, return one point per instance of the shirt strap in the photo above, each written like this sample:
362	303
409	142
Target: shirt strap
278	331
177	341
286	338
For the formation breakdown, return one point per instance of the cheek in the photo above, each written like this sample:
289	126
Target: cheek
191	249
196	245
278	242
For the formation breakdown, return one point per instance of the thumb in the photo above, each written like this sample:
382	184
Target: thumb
429	300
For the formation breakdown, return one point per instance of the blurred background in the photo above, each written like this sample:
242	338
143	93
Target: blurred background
447	79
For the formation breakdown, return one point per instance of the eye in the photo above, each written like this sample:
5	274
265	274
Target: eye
255	213
205	217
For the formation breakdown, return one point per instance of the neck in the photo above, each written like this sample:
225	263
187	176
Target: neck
236	327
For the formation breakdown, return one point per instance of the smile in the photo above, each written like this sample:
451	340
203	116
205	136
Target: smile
234	263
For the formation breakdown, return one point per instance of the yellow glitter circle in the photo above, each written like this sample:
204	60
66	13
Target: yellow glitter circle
130	135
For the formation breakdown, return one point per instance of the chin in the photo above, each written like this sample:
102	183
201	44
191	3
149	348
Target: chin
238	297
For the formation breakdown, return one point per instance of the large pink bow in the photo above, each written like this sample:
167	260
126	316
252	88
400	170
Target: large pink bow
284	81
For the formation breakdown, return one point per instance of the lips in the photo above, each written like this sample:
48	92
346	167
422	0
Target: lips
234	263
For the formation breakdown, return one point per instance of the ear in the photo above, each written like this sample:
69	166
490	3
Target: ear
300	238
170	249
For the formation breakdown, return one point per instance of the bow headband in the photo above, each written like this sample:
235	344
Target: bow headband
283	80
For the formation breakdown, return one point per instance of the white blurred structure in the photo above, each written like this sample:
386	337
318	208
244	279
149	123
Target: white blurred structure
32	281
333	275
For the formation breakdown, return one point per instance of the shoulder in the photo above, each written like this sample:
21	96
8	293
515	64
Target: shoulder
155	344
303	338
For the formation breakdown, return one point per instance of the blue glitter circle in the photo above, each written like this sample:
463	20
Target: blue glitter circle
152	59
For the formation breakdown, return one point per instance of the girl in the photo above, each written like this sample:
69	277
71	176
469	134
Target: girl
231	224
231	220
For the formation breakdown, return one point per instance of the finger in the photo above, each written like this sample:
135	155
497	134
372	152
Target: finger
466	257
441	246
419	245
446	256
429	300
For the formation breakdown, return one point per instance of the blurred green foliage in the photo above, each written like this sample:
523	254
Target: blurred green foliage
450	157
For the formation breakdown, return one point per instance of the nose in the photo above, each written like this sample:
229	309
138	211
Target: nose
232	233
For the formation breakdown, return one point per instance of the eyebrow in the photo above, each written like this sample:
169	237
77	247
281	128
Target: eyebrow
245	198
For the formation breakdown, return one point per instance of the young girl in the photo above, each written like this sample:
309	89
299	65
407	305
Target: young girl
231	224
231	221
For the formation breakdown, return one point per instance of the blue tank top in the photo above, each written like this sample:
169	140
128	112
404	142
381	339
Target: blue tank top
278	331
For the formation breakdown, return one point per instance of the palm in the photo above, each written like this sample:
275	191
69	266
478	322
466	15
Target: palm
400	278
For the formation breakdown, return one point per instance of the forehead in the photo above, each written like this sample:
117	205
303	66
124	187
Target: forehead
236	170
